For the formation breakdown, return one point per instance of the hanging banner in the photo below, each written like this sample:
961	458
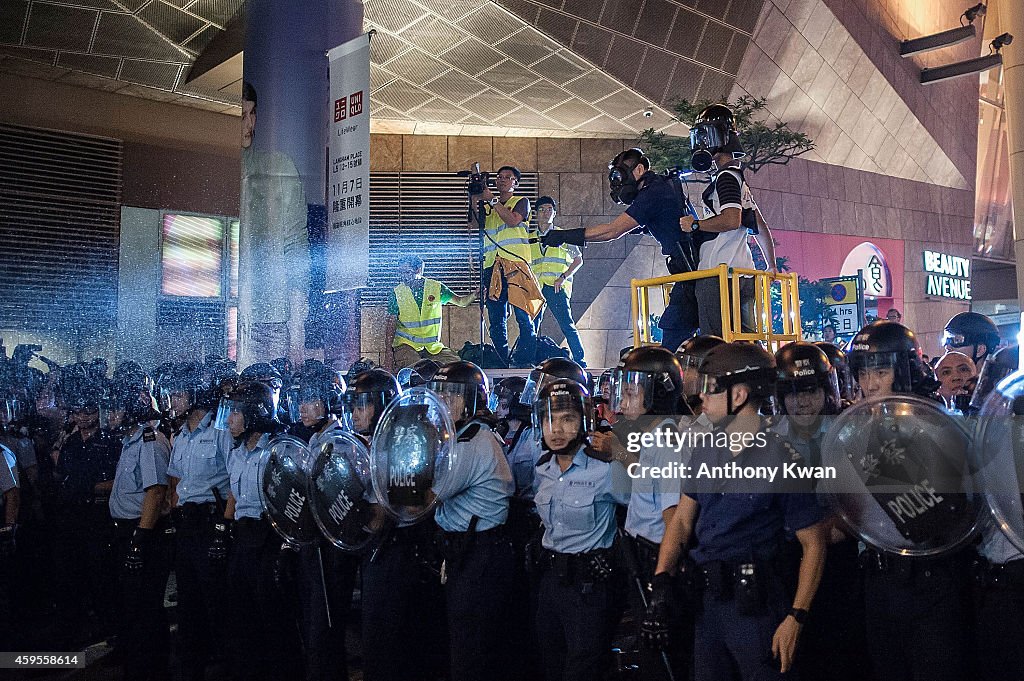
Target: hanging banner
348	166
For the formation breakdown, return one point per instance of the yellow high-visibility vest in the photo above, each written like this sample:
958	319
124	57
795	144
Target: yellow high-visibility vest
419	326
550	263
514	241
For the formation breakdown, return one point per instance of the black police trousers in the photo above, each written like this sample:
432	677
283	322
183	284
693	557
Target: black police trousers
478	591
678	653
403	609
576	620
202	590
325	600
263	632
85	574
918	622
999	621
144	636
832	642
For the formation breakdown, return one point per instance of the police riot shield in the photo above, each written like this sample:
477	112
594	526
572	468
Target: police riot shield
283	471
340	491
999	456
412	458
903	480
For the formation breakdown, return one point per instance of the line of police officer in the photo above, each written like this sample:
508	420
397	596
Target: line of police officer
727	576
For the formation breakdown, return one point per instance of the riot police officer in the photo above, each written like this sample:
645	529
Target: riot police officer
916	608
972	333
471	513
141	541
313	399
691	354
85	467
848	389
365	399
807	393
576	496
198	485
646	390
264	644
512	415
747	625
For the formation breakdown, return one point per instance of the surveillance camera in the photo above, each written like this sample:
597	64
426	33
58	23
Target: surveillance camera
648	113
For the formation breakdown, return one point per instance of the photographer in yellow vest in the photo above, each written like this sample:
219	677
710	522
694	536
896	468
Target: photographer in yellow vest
554	267
413	329
506	235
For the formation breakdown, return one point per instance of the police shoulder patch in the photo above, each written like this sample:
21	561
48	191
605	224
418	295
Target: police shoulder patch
148	435
470	432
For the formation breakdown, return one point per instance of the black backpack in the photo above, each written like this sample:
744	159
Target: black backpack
547	348
484	356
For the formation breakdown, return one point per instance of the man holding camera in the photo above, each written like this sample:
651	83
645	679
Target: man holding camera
506	236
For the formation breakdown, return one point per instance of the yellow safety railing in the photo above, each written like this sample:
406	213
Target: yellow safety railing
729	292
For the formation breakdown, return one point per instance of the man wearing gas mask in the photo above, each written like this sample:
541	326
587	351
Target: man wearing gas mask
654	204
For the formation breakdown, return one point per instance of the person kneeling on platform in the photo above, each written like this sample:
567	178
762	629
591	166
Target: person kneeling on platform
414	317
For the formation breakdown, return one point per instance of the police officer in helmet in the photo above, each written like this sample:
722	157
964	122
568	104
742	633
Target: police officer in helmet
885	359
748	624
366	397
476	548
972	333
691	354
848	390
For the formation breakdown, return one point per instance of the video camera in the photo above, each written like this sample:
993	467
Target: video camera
478	180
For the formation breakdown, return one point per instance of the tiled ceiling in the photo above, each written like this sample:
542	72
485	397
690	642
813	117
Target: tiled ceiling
557	67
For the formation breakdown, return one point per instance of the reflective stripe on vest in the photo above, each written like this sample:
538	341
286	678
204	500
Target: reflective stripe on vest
419	327
550	263
509	242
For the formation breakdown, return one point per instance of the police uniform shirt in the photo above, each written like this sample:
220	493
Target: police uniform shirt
199	460
577	506
23	448
522	460
8	474
746	518
323	435
650	496
656	207
84	463
244	471
482	488
729	248
144	458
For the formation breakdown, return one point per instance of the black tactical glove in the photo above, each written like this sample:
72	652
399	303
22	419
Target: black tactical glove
218	551
654	627
138	548
286	566
557	237
7	540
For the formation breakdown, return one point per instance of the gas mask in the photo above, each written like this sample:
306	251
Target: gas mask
624	187
705	141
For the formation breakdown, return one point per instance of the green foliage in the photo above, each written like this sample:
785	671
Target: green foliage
765	144
814	313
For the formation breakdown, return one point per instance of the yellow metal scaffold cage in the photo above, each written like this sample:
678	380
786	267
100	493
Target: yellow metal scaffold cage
729	292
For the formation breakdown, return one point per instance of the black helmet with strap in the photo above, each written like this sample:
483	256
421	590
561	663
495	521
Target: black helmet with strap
739	363
804	367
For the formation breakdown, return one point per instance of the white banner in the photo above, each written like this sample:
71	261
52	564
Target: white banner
348	167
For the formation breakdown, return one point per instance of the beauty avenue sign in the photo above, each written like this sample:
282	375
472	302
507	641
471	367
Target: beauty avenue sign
947	276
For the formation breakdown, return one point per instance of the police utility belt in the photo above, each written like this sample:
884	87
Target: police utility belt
576	568
747	582
126	527
193	514
999	575
906	567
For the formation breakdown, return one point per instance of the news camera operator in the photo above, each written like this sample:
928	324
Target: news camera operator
506	236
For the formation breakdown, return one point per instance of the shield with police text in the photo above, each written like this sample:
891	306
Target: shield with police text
902	475
284	467
999	456
413	455
339	492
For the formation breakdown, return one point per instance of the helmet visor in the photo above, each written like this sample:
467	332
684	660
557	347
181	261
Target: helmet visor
630	392
534	384
705	136
225	410
361	411
561	418
954	340
461	398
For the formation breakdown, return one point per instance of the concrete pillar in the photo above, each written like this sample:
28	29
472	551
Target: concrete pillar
284	141
1010	18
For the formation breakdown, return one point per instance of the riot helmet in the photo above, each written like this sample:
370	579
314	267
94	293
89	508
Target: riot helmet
621	181
132	394
551	368
254	402
848	389
266	373
886	352
738	363
691	355
314	394
183	388
649	381
803	370
369	392
563	416
505	399
713	132
971	330
464	388
996	368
